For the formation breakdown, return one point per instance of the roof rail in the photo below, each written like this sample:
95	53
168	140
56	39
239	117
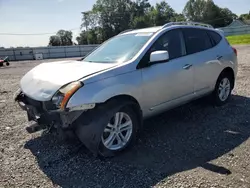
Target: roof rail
187	23
127	30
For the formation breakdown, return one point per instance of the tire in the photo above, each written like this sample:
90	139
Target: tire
217	96
7	64
127	112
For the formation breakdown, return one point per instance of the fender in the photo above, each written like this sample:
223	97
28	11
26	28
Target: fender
89	129
102	90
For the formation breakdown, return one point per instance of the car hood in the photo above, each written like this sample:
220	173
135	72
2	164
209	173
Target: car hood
43	81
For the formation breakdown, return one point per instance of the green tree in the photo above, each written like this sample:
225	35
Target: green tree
110	17
193	10
154	16
54	41
208	12
106	19
140	8
140	16
62	38
245	16
92	36
141	22
114	16
178	18
65	37
89	20
163	13
228	16
82	38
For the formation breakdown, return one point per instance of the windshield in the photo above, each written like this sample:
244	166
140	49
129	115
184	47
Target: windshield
119	49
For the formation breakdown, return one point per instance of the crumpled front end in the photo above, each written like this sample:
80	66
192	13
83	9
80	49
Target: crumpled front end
82	123
44	80
45	113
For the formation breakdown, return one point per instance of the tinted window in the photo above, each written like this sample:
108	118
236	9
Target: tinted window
215	37
197	40
170	41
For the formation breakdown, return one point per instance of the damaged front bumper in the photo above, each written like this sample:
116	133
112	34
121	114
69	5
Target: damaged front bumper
87	124
38	111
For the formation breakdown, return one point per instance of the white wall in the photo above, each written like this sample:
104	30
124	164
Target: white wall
238	30
48	52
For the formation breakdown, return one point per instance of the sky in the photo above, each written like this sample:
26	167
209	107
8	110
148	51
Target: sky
48	16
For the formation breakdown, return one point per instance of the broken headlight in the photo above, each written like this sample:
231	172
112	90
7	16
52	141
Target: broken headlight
61	98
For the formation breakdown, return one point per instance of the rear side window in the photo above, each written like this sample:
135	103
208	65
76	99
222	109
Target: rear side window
197	40
215	37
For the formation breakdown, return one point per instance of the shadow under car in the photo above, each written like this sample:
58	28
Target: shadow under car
181	139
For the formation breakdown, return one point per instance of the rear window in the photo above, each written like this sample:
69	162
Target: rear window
215	37
196	40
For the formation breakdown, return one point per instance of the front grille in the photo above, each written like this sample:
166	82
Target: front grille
40	106
50	106
37	104
33	102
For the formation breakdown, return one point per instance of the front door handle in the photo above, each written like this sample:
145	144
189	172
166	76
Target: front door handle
219	57
187	66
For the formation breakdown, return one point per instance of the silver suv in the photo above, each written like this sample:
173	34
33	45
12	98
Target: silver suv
104	97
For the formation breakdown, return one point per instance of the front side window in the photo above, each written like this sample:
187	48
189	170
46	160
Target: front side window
171	41
119	49
197	40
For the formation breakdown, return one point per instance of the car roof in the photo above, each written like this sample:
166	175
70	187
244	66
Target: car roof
171	25
145	30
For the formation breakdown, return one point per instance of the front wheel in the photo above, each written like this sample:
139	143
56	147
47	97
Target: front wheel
223	89
119	132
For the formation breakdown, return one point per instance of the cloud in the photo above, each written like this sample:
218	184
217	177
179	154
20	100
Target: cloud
59	1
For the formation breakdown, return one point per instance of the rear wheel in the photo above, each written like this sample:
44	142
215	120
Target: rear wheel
223	89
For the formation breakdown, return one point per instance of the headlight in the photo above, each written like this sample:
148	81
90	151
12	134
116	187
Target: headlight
61	98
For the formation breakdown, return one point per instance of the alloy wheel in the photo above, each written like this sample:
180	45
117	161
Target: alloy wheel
118	131
224	89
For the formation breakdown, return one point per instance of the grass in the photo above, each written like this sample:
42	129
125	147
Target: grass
239	39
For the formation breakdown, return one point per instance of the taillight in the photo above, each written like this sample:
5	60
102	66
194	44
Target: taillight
235	51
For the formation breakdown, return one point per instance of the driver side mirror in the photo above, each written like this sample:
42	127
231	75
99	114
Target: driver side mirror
159	56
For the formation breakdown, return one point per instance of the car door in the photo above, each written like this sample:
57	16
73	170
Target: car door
168	83
203	56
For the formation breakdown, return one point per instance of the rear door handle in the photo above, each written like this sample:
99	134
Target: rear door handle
187	66
219	57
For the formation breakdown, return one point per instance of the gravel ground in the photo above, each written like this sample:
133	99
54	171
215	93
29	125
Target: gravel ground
196	145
